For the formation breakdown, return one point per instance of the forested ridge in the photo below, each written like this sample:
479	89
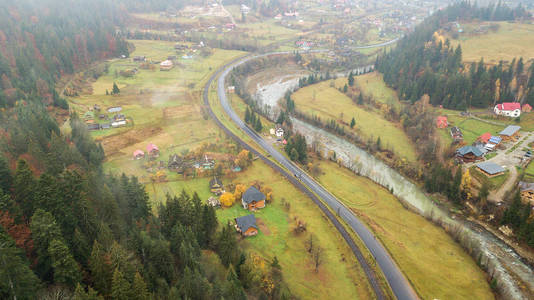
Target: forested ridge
424	62
42	40
68	229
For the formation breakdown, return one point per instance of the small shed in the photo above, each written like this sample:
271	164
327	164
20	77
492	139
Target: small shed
490	169
138	154
495	140
175	163
253	199
166	65
246	225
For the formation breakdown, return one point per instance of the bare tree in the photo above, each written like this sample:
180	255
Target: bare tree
310	244
317	257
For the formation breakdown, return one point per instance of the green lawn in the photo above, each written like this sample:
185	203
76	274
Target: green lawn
471	128
328	103
437	267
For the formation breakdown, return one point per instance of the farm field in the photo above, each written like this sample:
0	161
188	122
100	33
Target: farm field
437	267
511	40
328	103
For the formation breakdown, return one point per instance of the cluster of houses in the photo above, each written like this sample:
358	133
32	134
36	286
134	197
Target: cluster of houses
252	200
486	143
179	165
105	122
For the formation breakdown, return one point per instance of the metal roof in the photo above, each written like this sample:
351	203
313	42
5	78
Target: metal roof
495	139
490	167
510	130
469	149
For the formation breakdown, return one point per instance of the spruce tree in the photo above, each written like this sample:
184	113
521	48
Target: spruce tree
44	231
352	122
24	185
139	288
258	127
120	287
247	115
115	90
6	179
66	269
100	269
351	79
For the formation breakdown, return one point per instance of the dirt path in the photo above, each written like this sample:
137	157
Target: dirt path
227	12
508	185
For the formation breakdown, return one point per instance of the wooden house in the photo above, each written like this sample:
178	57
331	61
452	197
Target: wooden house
175	163
253	199
456	134
246	225
469	154
216	186
510	133
166	65
441	122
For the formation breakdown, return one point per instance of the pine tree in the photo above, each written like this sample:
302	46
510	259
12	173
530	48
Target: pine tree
345	88
100	269
24	185
258	127
44	231
115	90
352	122
80	294
139	288
294	155
351	79
6	180
66	269
360	99
17	281
120	288
247	115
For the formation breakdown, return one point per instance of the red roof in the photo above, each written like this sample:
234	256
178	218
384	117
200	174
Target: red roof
441	122
527	107
485	137
151	147
509	106
138	152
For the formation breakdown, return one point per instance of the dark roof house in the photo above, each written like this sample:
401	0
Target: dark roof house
175	162
469	153
510	130
253	199
456	134
246	225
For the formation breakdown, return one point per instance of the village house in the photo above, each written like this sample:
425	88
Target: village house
165	65
105	126
508	109
119	117
484	138
208	163
114	109
526	108
152	150
469	153
441	122
175	163
118	124
527	192
490	169
138	154
253	199
456	134
216	186
93	126
246	225
231	89
510	133
139	58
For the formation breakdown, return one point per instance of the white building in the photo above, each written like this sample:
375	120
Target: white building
508	109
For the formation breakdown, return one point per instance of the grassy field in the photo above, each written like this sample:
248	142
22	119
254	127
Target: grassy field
494	183
471	128
509	41
437	267
373	85
328	103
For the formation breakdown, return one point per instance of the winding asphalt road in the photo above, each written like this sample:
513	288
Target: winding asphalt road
396	280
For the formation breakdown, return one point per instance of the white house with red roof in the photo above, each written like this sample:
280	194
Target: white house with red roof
508	109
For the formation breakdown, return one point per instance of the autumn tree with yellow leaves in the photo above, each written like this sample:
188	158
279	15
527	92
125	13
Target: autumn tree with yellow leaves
227	199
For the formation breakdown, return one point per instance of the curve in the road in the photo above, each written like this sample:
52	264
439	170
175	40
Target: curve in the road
396	280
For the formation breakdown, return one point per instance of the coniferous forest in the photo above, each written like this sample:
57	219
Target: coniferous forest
66	227
426	63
